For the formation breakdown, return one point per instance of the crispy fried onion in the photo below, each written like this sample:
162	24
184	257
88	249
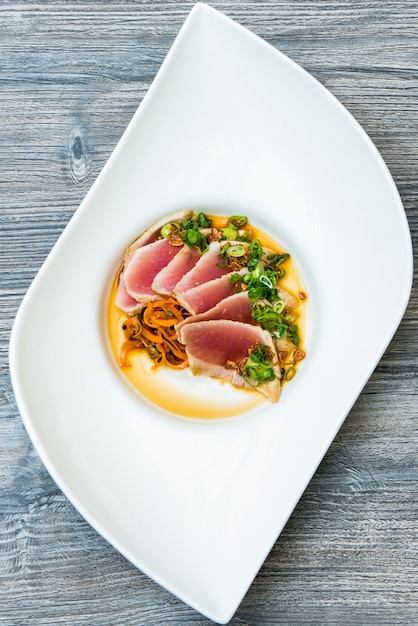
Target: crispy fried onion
153	330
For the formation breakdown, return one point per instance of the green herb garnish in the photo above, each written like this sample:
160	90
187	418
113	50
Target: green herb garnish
171	228
197	221
195	239
258	367
273	319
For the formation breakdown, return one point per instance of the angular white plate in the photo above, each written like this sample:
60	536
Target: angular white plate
229	125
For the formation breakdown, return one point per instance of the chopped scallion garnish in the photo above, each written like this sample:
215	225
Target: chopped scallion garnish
258	367
170	228
195	239
256	249
236	251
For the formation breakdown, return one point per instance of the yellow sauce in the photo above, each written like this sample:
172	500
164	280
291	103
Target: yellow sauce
177	391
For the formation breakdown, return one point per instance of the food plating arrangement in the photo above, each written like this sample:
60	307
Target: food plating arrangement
210	293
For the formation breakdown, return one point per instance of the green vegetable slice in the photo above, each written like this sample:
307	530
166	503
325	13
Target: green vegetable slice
258	368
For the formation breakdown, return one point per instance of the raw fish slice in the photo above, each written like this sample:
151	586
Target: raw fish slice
204	270
153	233
236	307
205	296
125	301
143	267
171	274
211	344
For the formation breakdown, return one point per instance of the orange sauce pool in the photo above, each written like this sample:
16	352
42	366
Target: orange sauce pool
178	391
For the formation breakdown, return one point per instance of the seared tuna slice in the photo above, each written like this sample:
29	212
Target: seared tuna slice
153	233
125	301
171	274
203	297
143	267
236	307
207	268
214	346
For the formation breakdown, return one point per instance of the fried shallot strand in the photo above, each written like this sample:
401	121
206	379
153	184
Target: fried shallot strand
153	330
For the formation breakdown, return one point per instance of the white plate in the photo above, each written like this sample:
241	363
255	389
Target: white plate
229	124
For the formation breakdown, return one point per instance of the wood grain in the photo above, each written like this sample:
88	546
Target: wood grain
72	75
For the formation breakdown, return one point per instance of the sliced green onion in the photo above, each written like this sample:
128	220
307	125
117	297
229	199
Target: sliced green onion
258	270
279	331
234	278
169	229
230	233
198	220
279	306
235	251
223	255
266	281
258	368
204	222
269	319
195	239
256	249
252	264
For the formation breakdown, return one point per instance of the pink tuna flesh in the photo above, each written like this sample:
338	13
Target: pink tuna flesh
143	267
203	297
154	232
210	345
124	300
236	307
206	269
171	274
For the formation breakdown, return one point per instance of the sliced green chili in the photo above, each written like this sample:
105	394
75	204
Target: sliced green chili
238	221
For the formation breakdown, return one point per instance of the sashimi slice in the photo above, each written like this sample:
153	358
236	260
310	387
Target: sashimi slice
153	233
203	297
214	344
171	274
236	308
125	301
143	267
207	268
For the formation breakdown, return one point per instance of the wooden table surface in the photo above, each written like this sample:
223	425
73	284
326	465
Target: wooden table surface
71	77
